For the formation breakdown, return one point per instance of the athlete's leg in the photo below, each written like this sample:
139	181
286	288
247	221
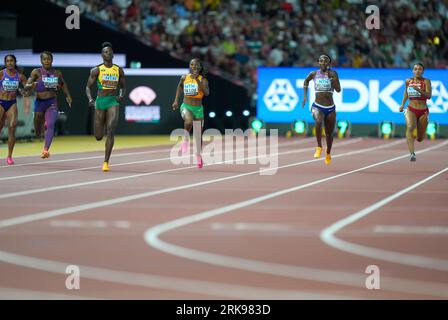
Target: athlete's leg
99	124
111	125
187	116
411	121
318	116
2	118
51	115
330	121
39	118
422	123
197	133
11	117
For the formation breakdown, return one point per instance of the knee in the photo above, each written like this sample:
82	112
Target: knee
110	132
189	122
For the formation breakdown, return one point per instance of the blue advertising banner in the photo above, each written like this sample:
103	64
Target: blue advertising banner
368	96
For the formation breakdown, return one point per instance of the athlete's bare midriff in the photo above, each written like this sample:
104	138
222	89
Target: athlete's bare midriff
418	104
193	101
5	95
324	98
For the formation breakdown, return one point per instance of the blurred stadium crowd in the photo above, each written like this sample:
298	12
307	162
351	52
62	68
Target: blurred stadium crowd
234	37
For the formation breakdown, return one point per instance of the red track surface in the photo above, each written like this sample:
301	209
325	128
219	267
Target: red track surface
271	248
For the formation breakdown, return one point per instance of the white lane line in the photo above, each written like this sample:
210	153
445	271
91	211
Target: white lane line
327	236
23	294
103	203
138	175
152	238
89	224
85	158
414	230
121	164
244	226
200	287
117	155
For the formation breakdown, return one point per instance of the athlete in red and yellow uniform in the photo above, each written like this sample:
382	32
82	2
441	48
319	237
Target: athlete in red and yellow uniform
418	89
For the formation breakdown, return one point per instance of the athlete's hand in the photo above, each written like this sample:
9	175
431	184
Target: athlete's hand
91	103
175	105
332	75
304	102
120	98
69	101
401	108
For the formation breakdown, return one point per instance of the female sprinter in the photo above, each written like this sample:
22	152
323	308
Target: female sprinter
47	80
194	86
418	89
323	108
10	78
111	90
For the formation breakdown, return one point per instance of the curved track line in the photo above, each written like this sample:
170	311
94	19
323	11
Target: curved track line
173	283
152	238
328	237
163	282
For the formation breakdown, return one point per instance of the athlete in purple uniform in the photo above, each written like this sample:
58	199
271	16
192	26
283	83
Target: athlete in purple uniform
10	78
323	108
47	80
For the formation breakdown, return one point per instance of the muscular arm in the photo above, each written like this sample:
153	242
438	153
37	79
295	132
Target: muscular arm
335	81
428	92
305	86
64	87
179	92
203	84
22	80
405	96
122	85
90	81
32	79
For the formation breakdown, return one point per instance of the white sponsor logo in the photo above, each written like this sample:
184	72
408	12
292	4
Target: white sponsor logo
281	96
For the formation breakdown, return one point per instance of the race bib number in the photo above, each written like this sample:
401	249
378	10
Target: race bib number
413	93
10	85
190	89
323	84
109	81
50	82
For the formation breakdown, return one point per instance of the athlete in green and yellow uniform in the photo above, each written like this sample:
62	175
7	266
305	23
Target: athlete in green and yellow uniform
111	89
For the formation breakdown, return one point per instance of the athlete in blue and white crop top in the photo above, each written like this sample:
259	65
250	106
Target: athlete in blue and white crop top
323	108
